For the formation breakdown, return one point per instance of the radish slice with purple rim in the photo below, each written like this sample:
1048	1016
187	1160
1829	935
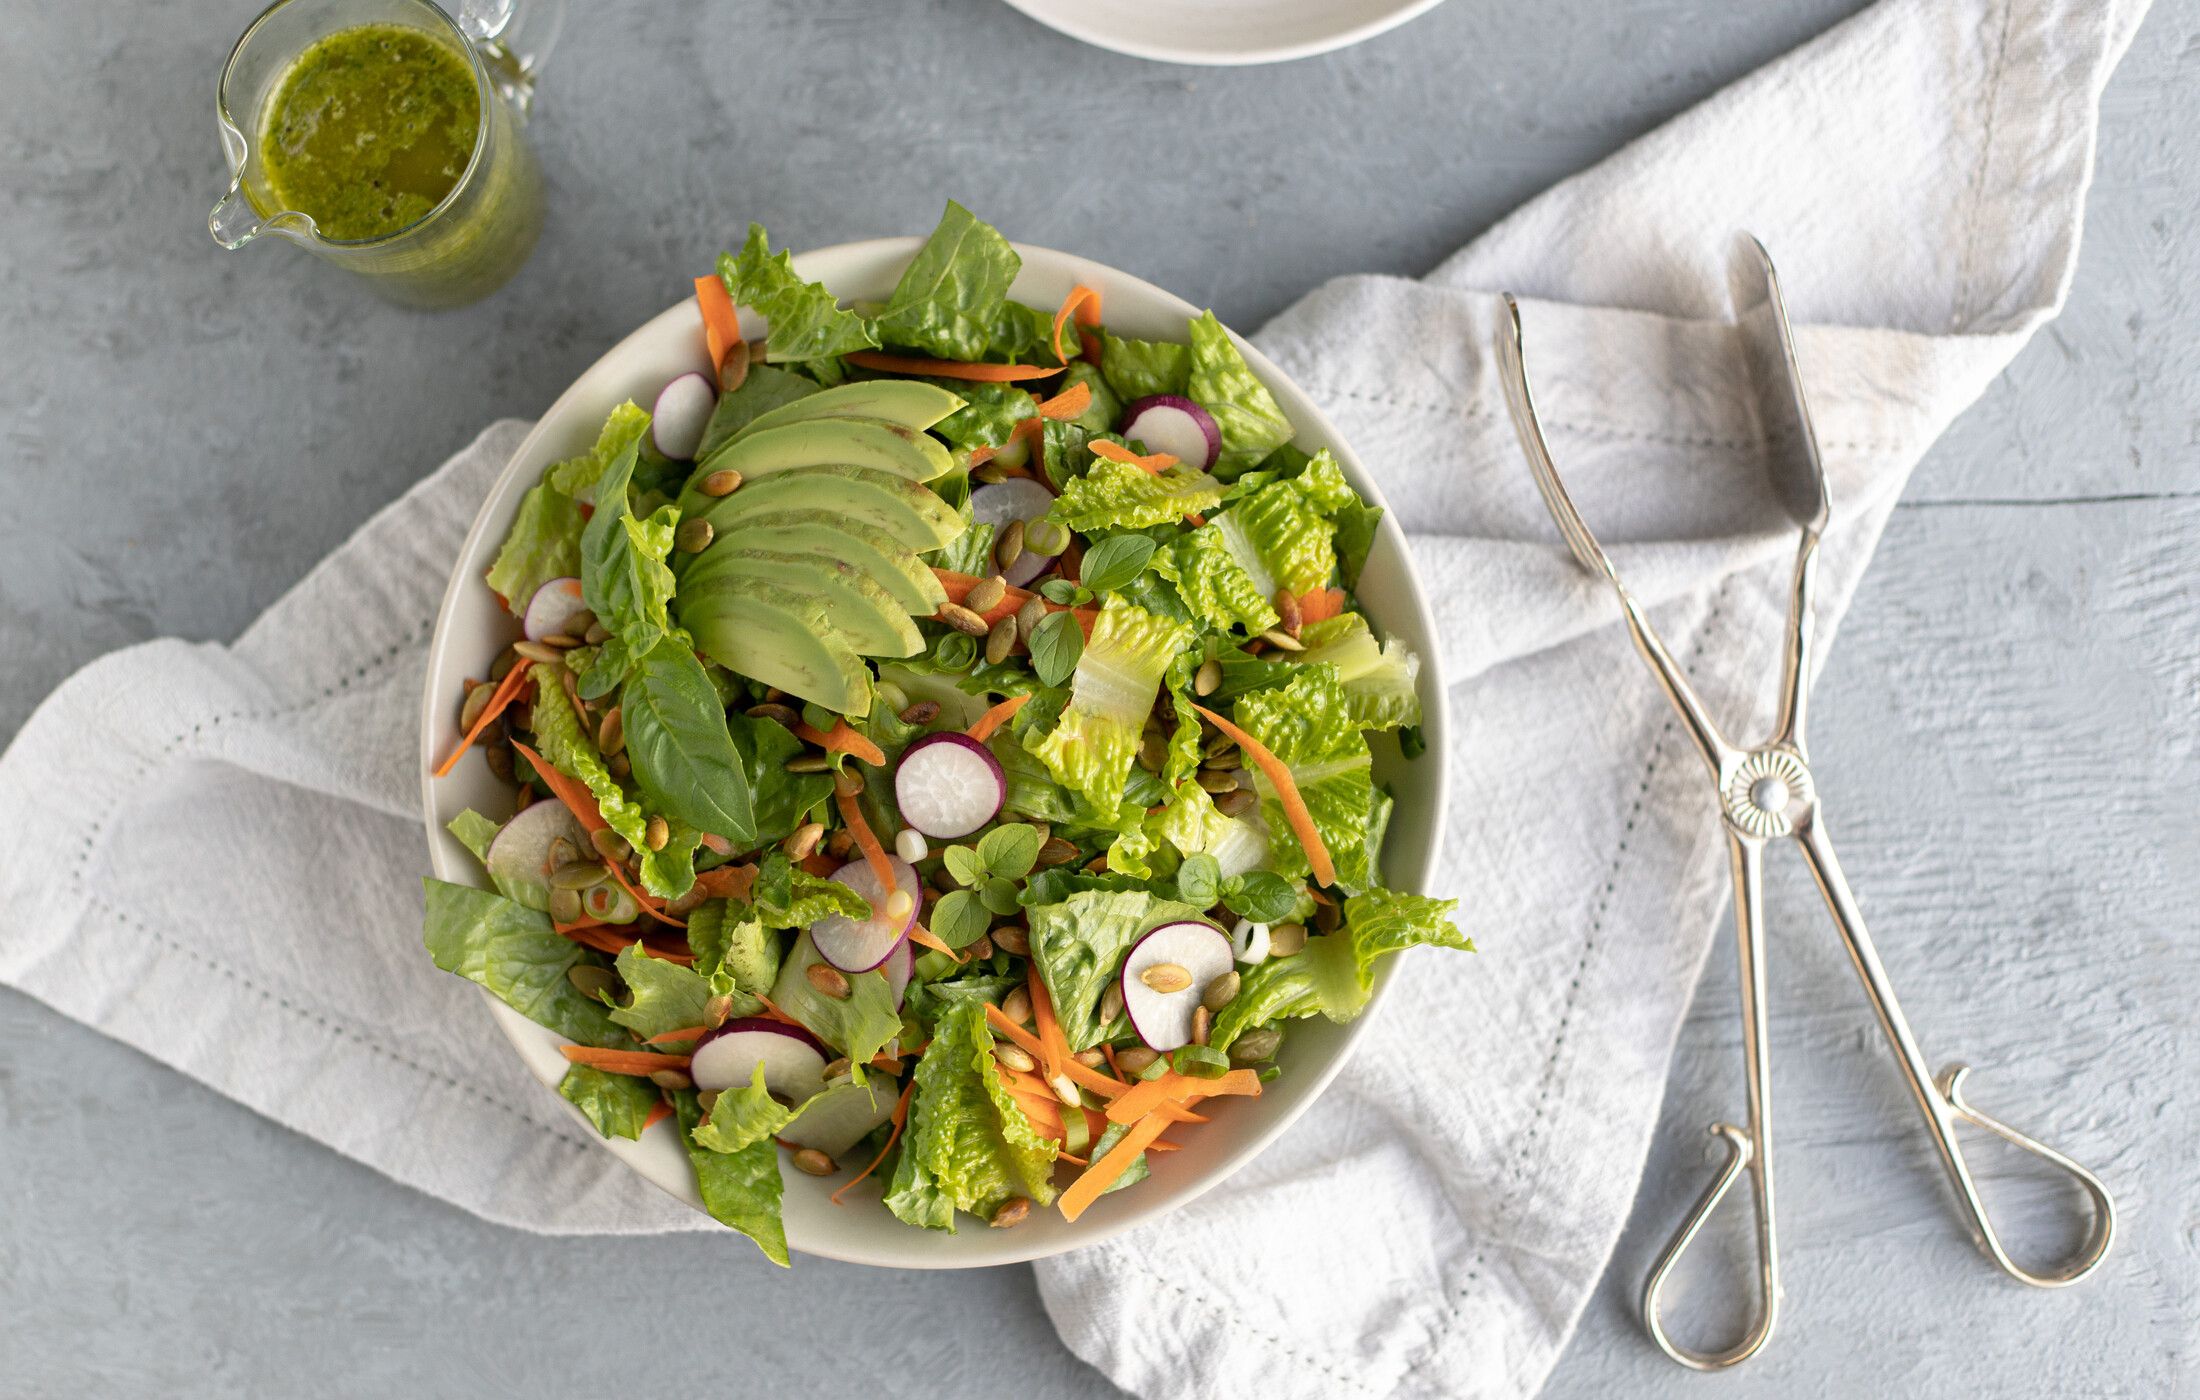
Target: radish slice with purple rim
1174	424
1018	498
793	1059
842	1116
948	785
682	415
553	605
523	854
899	967
1163	1018
858	945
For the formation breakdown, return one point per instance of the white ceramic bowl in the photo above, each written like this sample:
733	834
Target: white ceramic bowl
472	627
1223	32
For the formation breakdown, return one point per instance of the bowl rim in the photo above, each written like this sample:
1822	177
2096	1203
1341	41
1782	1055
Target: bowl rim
536	1045
1076	22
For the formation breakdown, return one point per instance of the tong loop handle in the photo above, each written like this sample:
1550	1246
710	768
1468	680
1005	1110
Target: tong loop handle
1949	1086
1741	1156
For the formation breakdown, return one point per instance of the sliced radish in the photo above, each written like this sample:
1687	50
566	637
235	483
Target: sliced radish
682	414
901	965
521	857
793	1059
948	785
842	1116
1174	424
1163	1019
1018	498
858	945
554	604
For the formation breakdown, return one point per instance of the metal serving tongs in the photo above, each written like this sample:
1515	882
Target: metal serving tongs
1766	793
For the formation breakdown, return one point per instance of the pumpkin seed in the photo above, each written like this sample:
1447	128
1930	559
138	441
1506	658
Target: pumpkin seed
839	844
1255	1046
597	634
716	1010
1217	782
579	875
499	759
609	844
1010	547
1166	977
561	641
502	666
693	536
1203	1025
611	734
522	800
812	1162
536	651
989	471
986	594
1065	1089
1222	991
1281	640
477	700
1098	865
809	763
1030	615
1135	1059
671	1079
1286	939
707	1100
1017	1006
830	981
1000	641
847	781
1208	678
775	712
1010	939
803	840
1153	751
682	905
656	833
1057	851
923	712
723	482
963	620
837	1069
1090	1059
1228	761
1111	1003
565	906
1013	1211
1327	917
1015	1057
592	981
1289	616
1236	803
577	624
1044	536
735	371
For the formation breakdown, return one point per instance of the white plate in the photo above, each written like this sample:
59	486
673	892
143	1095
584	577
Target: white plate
1223	32
472	627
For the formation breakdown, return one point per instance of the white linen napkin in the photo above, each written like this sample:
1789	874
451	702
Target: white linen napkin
217	847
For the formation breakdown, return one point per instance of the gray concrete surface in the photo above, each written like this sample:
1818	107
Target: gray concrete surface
2008	718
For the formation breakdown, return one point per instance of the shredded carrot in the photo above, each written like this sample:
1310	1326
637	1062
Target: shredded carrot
1162	1145
577	798
1320	604
657	1114
1158	463
842	739
651	905
1023	1040
1072	1159
899	1117
958	588
820	864
1109	1169
771	1012
1114	1068
867	840
684	1033
1148	1095
949	369
918	933
498	699
1050	1030
594	936
622	1061
989	723
1287	793
1070	403
721	323
714	843
1076	304
728	881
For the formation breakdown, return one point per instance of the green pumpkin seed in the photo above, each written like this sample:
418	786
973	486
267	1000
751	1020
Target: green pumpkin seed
989	472
1287	939
986	594
716	1011
592	981
565	906
964	620
611	734
671	1080
1208	678
580	875
1016	1006
809	763
803	840
1000	641
1045	536
1010	547
1217	783
693	536
812	1162
1135	1059
656	834
1236	803
1221	992
477	700
707	1100
596	635
538	651
499	759
1111	1004
1253	1047
1282	641
1030	615
723	482
848	782
609	844
1153	751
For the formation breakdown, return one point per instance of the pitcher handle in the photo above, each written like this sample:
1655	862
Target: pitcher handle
515	38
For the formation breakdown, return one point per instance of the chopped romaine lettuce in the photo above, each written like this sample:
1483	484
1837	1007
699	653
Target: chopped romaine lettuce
967	1145
743	1116
1090	749
1138	369
805	319
474	831
740	1189
859	1025
1195	826
515	953
669	997
544	543
1333	975
990	412
1306	725
1221	382
950	296
1078	946
1279	539
577	476
1118	496
618	1104
1217	589
1322	482
1378	678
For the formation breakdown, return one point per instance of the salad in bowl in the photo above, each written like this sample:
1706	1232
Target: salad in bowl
942	749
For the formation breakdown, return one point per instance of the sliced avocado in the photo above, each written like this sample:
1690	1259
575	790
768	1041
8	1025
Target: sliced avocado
777	636
872	551
862	442
906	510
903	401
860	610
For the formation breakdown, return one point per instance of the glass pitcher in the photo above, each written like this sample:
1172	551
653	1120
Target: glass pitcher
471	242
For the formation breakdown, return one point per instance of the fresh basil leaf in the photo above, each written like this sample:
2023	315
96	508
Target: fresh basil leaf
949	298
998	895
962	862
959	919
624	579
1111	564
684	758
1057	644
1010	851
1260	895
1199	880
1058	590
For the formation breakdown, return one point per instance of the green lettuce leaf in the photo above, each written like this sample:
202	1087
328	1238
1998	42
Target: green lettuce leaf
1322	482
1195	826
515	953
1307	725
779	800
544	543
741	950
664	996
1275	534
858	1027
967	1145
1119	496
566	747
743	1116
1222	383
577	476
1078	946
1334	974
1138	369
1101	414
741	1189
1090	749
684	758
1217	589
990	412
624	578
618	1104
765	388
1378	678
1025	334
805	319
950	297
474	831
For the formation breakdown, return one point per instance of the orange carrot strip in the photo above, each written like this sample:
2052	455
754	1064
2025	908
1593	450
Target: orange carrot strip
1172	1089
958	587
622	1061
1158	463
1178	1113
498	699
657	1114
1320	604
1078	299
575	795
918	933
1050	1030
989	723
899	1117
819	863
1161	1145
949	369
1109	1169
651	905
1017	1035
728	881
1287	793
771	1012
1144	1097
867	839
684	1033
721	323
1072	1160
842	739
597	937
1070	403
